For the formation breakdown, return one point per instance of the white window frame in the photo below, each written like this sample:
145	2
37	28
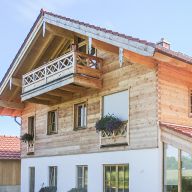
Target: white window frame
28	121
83	176
116	165
33	190
49	132
75	119
55	177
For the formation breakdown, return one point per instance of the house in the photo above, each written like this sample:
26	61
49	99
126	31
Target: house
10	164
67	76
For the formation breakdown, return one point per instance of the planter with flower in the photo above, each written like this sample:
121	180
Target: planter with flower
112	130
29	139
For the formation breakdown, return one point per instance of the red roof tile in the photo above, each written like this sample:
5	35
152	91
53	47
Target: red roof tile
181	129
10	147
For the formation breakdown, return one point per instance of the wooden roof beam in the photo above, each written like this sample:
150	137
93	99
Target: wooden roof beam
11	105
60	93
50	98
73	88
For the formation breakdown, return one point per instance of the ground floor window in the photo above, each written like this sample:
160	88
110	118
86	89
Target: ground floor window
53	176
177	170
31	179
116	178
82	177
186	162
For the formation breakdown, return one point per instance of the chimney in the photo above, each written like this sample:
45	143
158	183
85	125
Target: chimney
164	43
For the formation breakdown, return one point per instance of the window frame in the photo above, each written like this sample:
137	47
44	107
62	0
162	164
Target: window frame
112	93
117	172
83	176
55	174
34	126
49	132
75	114
30	174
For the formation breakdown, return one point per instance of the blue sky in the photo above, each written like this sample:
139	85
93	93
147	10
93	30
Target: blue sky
149	19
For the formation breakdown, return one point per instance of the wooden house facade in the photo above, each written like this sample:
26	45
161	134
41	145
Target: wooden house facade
68	75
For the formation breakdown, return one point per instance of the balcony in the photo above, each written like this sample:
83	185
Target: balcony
74	69
116	137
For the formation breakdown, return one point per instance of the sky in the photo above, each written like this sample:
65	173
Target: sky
145	19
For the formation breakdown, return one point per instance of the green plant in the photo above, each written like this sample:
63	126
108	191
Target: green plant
27	137
48	189
108	123
78	190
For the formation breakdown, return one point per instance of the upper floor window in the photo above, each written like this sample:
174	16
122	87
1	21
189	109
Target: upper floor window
31	126
117	104
82	177
80	115
53	176
116	178
190	102
52	122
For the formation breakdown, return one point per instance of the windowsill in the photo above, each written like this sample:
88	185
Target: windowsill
52	133
79	128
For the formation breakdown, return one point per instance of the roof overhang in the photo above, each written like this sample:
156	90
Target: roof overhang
179	136
116	39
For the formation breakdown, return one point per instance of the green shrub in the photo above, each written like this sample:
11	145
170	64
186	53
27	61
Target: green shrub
27	137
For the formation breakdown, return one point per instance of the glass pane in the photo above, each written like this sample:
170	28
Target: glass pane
186	172
113	177
121	173
86	176
170	169
107	173
32	179
80	182
79	171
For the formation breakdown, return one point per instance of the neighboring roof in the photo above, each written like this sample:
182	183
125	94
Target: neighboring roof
181	129
128	42
10	147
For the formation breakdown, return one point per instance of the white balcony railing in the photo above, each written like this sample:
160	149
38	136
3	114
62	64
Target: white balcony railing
58	68
116	137
30	147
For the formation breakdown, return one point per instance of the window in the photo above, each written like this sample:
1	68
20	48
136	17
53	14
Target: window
31	126
82	175
80	115
52	122
53	176
117	104
32	179
116	178
170	169
186	173
190	102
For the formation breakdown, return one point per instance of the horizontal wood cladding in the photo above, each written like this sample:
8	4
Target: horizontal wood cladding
174	86
143	131
10	172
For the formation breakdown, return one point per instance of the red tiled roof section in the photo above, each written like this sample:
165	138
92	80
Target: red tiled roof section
10	147
181	129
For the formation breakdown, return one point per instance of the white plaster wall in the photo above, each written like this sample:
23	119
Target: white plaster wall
144	165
